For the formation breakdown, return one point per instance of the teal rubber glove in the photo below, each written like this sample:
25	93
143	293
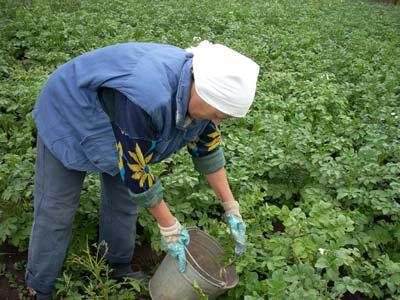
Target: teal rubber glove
175	240
236	224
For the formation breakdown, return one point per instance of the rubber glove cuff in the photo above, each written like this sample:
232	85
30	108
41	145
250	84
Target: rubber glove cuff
231	207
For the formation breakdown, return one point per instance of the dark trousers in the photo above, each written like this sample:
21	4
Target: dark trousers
56	198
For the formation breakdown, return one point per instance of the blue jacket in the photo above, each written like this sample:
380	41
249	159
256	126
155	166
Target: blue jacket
75	128
153	77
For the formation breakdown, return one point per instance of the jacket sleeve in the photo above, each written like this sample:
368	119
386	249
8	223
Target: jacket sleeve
135	141
206	151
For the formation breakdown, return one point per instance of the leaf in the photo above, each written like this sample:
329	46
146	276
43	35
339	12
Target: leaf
322	263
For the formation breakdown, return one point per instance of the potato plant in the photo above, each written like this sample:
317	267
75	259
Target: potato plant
315	165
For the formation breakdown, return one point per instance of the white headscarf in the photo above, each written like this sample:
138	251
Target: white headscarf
224	78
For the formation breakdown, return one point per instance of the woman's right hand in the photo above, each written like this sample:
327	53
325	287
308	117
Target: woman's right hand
175	240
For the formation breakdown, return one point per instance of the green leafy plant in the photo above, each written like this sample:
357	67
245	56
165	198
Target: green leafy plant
92	265
315	164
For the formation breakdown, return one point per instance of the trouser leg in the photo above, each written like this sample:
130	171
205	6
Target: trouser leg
118	214
56	198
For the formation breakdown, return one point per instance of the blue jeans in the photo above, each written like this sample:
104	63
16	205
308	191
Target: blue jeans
56	198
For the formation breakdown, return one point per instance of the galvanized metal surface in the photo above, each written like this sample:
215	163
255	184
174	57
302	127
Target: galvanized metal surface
205	268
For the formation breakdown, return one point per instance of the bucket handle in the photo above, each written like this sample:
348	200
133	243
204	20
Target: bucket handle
220	283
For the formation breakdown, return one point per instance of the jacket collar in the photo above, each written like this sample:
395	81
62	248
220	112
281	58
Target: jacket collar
183	94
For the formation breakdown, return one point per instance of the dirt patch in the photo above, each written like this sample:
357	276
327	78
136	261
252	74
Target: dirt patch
12	277
145	259
393	2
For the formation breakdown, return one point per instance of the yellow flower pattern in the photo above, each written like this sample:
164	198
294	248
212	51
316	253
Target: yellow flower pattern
207	142
141	170
193	144
216	139
120	156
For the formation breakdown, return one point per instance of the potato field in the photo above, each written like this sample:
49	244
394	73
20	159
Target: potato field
315	164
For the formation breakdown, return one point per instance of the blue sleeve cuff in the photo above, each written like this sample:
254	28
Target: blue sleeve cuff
149	198
210	163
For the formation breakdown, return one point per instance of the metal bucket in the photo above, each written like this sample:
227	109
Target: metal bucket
204	269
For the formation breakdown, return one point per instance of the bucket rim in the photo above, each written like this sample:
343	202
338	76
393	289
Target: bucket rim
213	281
224	287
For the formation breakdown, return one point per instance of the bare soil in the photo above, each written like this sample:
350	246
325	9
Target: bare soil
393	2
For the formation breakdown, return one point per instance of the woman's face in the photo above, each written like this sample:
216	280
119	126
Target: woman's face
200	110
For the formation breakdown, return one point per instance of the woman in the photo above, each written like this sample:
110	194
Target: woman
116	111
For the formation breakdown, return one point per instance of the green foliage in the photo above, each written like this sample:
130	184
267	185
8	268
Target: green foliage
315	165
2	269
91	264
